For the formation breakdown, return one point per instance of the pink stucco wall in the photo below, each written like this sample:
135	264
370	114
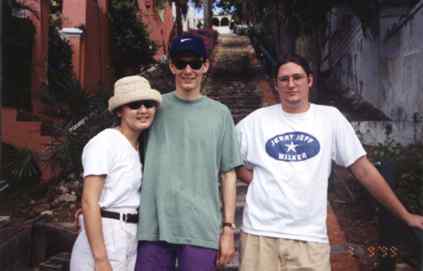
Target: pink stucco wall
91	52
91	56
40	50
160	30
74	15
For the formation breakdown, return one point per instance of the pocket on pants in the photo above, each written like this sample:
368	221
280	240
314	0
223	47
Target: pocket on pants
318	253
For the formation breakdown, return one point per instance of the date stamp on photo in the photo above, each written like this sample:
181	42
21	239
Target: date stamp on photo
376	250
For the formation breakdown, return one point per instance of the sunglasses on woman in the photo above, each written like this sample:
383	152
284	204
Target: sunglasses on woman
181	64
146	103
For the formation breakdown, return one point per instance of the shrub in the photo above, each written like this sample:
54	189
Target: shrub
64	95
17	53
408	174
19	167
71	136
131	45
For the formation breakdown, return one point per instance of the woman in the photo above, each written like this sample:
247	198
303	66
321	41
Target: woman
112	180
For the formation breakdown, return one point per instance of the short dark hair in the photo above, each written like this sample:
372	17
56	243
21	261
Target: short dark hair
294	58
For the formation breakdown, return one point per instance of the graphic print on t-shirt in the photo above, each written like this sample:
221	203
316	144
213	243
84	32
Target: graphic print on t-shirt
293	147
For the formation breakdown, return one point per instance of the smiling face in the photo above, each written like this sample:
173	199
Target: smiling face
137	116
188	73
293	85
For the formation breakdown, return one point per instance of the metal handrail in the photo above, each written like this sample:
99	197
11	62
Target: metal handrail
402	23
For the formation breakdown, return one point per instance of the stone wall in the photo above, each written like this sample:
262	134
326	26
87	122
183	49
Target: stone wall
31	245
401	63
159	24
384	66
15	248
384	132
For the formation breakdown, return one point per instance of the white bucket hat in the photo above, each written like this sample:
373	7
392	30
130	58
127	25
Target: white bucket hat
130	89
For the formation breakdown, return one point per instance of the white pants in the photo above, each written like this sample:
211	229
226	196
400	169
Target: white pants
121	244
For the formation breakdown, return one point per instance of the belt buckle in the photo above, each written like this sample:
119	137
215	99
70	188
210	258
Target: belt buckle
125	218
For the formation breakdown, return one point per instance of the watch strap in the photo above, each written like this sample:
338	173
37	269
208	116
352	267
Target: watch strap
229	224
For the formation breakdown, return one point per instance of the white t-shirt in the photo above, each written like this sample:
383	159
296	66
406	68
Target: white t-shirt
110	153
291	156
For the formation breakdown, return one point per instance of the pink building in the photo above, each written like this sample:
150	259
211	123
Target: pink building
85	25
159	24
91	58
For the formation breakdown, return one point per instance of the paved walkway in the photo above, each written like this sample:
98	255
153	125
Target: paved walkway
238	80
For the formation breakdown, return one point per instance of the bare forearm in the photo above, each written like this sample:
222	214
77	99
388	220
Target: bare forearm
94	229
226	243
229	196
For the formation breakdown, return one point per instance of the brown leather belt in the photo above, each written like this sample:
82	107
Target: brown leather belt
128	218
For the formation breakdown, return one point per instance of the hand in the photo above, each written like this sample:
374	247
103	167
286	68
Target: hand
78	212
415	221
103	265
226	247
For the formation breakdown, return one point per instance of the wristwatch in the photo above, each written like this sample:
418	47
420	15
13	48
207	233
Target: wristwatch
229	224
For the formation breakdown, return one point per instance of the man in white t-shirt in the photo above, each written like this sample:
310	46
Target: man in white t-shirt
287	151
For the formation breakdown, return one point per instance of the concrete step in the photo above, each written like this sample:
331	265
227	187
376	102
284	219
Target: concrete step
59	262
15	247
241	188
238	213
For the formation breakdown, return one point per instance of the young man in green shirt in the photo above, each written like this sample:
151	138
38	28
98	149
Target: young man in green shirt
191	145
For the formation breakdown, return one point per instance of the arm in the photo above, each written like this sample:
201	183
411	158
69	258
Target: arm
93	186
370	177
244	174
226	245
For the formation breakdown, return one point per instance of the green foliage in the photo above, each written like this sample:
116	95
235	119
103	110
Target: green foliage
17	54
159	4
233	6
387	151
72	135
56	7
410	178
64	95
19	168
302	16
409	171
131	45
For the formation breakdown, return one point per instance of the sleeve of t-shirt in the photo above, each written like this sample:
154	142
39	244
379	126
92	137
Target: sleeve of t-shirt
96	157
231	157
347	148
242	133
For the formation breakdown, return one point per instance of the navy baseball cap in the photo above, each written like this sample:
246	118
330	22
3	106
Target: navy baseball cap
188	44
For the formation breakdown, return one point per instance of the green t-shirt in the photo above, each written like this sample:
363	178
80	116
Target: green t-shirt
189	145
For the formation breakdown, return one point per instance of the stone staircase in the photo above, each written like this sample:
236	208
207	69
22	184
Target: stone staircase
234	80
238	80
58	262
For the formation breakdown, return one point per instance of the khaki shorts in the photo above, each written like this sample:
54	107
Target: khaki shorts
259	253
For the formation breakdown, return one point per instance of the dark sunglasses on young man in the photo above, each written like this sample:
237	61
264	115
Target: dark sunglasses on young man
195	64
146	103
